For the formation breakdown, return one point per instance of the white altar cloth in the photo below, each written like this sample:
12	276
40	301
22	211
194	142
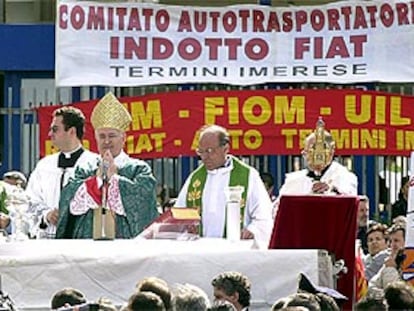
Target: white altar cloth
32	271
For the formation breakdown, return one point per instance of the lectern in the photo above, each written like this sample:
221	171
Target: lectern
320	222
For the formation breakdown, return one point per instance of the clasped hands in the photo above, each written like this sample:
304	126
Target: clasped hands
320	187
108	161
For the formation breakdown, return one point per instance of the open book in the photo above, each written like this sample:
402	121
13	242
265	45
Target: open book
177	224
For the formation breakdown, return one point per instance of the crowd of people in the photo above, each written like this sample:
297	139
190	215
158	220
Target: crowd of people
75	194
231	291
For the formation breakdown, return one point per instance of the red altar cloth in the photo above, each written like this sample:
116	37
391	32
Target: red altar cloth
320	222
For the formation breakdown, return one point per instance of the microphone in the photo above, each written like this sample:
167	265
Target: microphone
105	167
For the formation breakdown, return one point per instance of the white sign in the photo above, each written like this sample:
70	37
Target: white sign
132	44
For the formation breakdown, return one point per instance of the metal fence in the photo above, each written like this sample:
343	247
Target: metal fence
379	177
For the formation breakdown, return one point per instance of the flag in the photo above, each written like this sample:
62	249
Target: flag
361	283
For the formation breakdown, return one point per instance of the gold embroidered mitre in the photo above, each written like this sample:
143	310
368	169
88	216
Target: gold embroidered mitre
110	113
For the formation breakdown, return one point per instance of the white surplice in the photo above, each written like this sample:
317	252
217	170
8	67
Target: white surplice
257	215
337	176
43	187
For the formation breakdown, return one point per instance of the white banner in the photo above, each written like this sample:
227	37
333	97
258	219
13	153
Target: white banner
132	44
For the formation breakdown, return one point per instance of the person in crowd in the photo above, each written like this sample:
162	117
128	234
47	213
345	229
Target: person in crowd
157	286
205	188
233	287
399	207
189	297
362	222
371	304
222	305
390	271
307	300
146	300
52	172
377	250
106	304
399	295
67	297
400	220
269	183
13	182
323	174
121	184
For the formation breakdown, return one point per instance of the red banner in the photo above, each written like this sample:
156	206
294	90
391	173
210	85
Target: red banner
260	122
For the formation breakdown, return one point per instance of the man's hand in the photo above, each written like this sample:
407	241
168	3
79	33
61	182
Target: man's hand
246	235
4	220
53	216
320	187
111	168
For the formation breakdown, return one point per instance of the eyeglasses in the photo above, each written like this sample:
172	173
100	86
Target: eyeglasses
207	151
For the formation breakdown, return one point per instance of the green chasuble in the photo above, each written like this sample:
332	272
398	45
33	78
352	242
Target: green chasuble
239	176
137	187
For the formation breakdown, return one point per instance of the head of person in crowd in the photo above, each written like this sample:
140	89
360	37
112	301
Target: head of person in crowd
319	149
222	305
213	146
105	304
110	119
396	237
139	301
189	297
400	220
371	304
279	304
234	287
372	223
363	211
157	286
377	238
15	178
396	234
269	183
399	296
67	128
67	297
306	300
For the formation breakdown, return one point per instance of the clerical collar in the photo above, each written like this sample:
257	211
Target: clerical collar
226	163
222	169
69	159
312	174
69	154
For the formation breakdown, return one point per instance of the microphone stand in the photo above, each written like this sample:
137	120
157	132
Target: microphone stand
104	223
104	204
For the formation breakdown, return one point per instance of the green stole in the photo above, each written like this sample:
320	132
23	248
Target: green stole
239	176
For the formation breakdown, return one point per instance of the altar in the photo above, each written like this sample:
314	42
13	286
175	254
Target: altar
32	271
